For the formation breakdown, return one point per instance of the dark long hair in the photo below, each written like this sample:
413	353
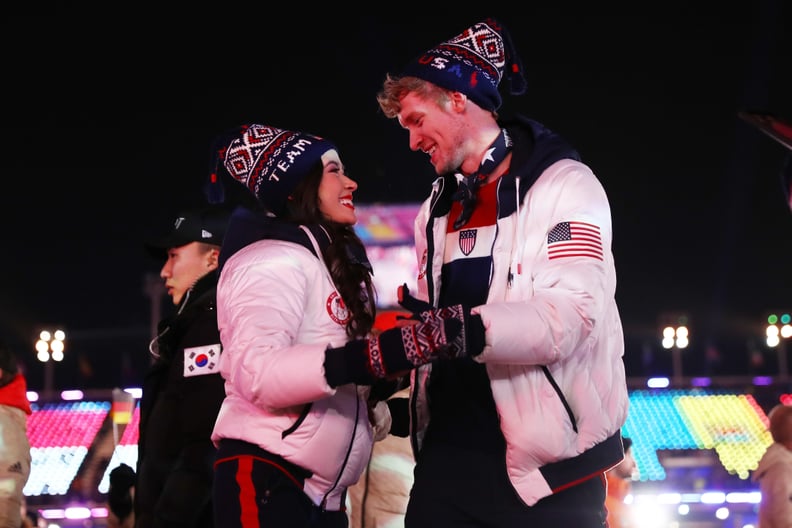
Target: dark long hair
351	274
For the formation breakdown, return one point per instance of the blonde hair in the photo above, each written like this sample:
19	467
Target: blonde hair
394	89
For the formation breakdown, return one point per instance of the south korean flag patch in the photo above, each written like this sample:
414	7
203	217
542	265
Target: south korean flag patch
202	360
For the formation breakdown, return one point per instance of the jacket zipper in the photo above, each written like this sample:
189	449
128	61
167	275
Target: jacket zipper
323	504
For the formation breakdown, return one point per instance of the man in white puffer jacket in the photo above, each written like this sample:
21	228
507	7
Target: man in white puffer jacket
518	231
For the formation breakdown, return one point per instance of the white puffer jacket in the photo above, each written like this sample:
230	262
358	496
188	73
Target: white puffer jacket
554	341
277	311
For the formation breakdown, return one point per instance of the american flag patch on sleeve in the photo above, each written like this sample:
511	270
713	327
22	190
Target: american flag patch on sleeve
574	239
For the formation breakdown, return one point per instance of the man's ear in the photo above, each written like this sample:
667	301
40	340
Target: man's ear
214	254
458	101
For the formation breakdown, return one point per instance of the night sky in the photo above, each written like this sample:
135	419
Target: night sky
106	131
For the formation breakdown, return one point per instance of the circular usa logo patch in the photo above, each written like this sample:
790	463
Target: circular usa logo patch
337	309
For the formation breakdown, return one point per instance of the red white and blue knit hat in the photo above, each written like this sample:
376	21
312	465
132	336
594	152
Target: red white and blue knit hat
271	162
473	63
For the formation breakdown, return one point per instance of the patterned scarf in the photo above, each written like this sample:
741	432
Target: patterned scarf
466	193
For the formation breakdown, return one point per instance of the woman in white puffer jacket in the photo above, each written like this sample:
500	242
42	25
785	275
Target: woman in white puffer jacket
298	422
283	434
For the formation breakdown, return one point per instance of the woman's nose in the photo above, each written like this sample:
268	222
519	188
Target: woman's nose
350	183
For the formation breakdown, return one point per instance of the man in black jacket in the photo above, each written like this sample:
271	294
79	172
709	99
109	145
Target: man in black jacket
183	389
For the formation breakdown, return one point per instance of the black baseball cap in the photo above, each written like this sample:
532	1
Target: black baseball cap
202	225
